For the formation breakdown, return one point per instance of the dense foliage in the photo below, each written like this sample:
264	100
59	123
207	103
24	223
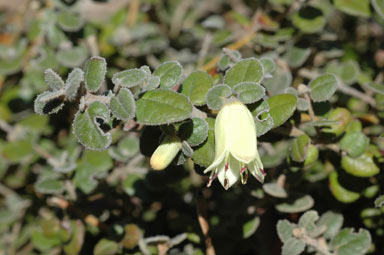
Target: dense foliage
95	95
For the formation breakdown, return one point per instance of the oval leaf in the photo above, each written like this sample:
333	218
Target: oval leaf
129	78
246	70
161	106
363	166
123	105
282	108
216	96
249	92
323	87
95	70
87	129
196	86
169	73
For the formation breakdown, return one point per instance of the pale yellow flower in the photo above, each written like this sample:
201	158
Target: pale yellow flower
235	146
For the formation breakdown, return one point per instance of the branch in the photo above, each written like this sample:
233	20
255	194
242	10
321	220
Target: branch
201	207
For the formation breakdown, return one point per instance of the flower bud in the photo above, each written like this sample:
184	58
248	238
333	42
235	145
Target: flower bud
165	153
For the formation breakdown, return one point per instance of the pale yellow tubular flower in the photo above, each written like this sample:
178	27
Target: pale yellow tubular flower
165	153
235	146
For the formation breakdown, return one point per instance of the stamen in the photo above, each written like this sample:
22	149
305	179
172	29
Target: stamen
226	183
211	179
262	171
226	166
244	175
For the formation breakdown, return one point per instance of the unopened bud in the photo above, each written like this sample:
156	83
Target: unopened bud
165	153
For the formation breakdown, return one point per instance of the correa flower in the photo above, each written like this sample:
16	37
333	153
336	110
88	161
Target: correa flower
235	146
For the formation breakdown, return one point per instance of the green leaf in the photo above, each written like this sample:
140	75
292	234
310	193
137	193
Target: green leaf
49	186
53	80
280	81
152	83
323	87
342	116
246	70
275	190
161	106
378	5
123	105
196	86
332	222
309	19
378	88
205	152
72	57
105	247
268	64
129	182
362	166
297	55
354	143
300	146
284	230
95	70
379	201
17	151
78	232
87	129
129	78
249	92
195	132
354	7
69	21
72	83
349	72
293	246
346	242
217	95
282	108
300	204
307	221
262	117
250	227
169	73
339	192
49	102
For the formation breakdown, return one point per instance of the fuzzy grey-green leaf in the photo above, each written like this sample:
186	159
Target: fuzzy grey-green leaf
129	78
169	73
86	127
196	86
53	80
249	92
246	70
123	105
162	106
216	96
323	87
95	70
293	246
72	83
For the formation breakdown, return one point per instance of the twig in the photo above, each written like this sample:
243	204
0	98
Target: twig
201	206
204	49
5	126
310	108
319	246
134	6
354	92
234	46
177	19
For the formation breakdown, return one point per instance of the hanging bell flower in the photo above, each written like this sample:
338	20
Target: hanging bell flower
235	146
